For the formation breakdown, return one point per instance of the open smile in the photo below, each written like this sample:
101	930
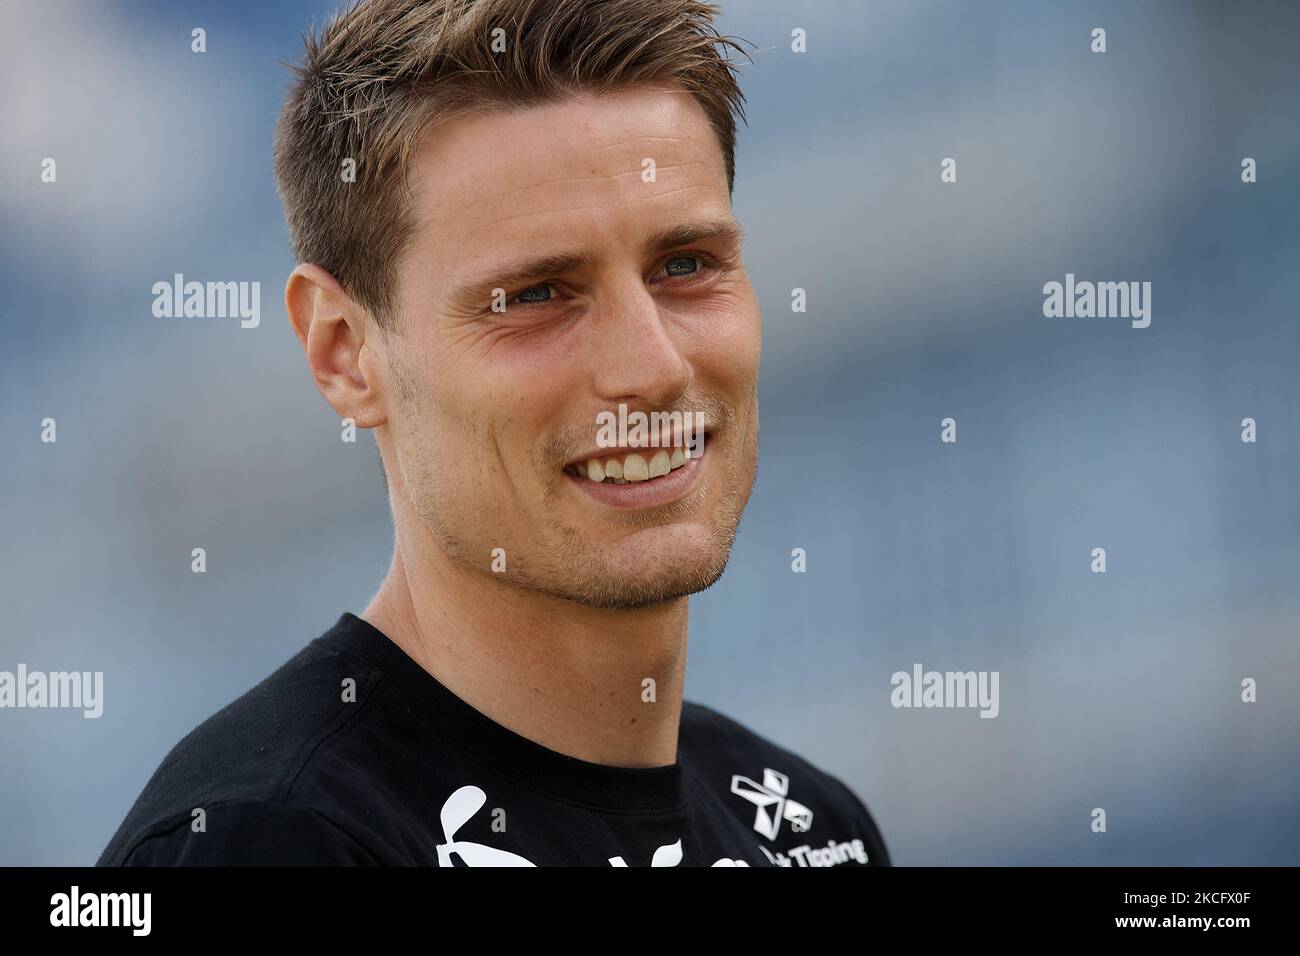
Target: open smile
637	479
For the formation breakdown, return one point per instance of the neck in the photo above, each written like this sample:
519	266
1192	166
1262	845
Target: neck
567	676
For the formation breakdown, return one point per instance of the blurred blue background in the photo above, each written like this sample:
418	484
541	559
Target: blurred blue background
1118	690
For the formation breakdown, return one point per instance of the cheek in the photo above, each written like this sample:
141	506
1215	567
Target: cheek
433	427
529	374
727	347
517	396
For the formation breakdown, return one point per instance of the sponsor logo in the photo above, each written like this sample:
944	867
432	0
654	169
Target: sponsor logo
772	803
832	854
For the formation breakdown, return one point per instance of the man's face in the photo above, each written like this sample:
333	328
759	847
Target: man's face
622	283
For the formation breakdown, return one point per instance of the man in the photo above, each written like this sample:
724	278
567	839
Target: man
514	219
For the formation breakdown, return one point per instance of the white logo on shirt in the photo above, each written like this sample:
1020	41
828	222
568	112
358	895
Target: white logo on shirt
467	801
772	795
832	854
460	806
671	854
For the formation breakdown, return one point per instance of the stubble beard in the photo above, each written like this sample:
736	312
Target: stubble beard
563	561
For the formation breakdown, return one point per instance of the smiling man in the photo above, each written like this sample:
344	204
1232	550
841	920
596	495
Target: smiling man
514	219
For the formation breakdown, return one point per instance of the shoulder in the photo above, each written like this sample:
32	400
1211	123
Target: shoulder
243	833
240	772
805	814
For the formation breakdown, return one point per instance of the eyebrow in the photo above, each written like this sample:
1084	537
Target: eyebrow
714	230
477	291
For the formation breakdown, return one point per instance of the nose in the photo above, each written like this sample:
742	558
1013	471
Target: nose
637	359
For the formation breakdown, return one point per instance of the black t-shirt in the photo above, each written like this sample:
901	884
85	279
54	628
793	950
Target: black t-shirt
351	753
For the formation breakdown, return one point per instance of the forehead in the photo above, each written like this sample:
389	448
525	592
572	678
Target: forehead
562	171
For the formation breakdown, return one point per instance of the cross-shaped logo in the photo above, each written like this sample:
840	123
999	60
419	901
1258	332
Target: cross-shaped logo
772	803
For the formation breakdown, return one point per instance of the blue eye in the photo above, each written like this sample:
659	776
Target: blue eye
537	293
674	264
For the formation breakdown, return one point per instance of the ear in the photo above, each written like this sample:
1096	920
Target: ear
331	327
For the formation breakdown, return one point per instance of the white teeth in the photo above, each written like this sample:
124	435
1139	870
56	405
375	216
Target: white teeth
635	468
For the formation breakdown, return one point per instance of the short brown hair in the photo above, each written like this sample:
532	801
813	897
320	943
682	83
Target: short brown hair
383	71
